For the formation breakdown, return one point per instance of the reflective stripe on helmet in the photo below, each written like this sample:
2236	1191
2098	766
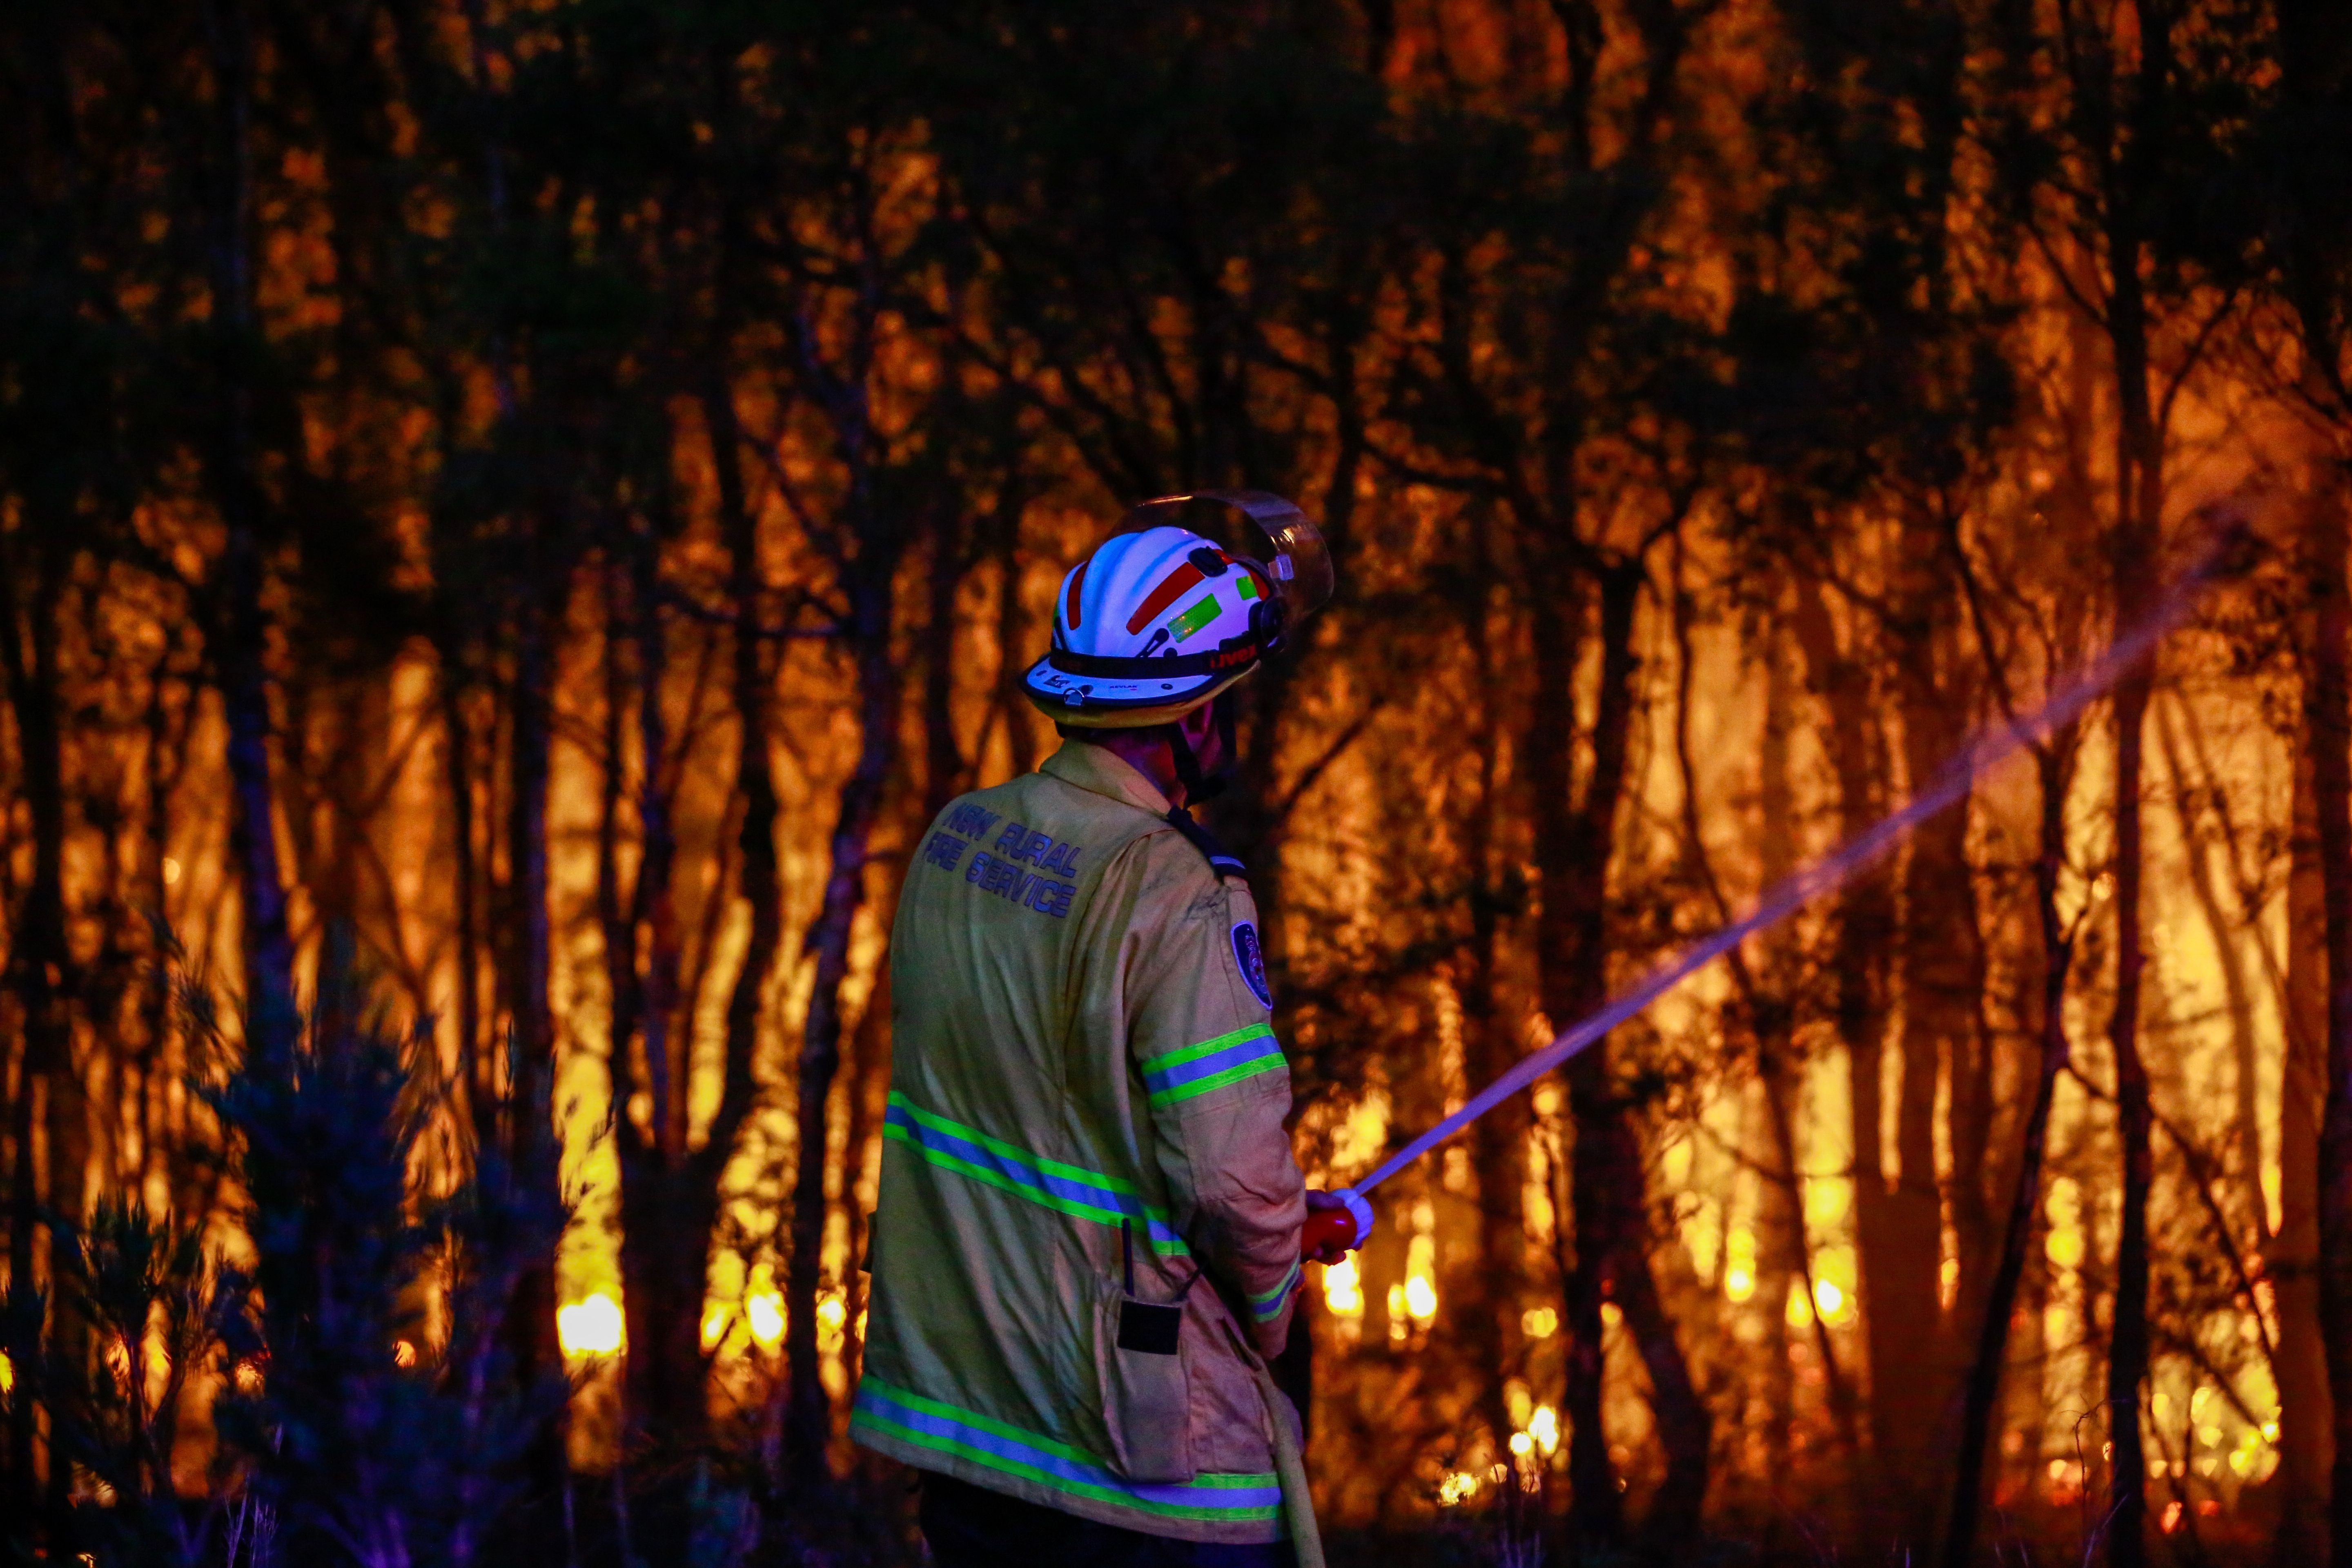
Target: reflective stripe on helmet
1171	588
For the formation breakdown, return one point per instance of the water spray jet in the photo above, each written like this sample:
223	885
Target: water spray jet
2229	550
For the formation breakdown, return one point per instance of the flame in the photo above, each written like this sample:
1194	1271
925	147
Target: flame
764	1310
1420	1289
831	1313
1357	1140
1739	1264
1343	1290
592	1327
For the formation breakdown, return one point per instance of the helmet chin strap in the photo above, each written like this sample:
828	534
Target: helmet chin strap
1201	786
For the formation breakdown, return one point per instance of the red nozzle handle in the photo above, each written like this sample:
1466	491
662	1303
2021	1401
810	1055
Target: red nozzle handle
1327	1227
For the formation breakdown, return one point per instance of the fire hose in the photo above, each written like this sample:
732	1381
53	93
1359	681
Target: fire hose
2227	553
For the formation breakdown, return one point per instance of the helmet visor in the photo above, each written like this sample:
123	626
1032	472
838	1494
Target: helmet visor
1300	564
1279	540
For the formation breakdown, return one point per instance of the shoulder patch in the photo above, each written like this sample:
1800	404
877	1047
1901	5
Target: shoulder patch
1253	962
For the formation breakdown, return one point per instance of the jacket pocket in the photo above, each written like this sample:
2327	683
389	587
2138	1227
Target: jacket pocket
1146	1394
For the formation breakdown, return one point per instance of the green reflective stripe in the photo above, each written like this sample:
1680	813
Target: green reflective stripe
1193	619
1251	1069
1013	1151
949	1145
914	1401
1267	1304
1205	1512
937	1426
1161	1242
1180	1075
1208	1047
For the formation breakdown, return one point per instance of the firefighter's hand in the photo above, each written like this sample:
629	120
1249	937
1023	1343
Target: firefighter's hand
1337	1224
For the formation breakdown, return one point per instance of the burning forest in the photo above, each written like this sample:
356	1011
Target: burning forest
520	524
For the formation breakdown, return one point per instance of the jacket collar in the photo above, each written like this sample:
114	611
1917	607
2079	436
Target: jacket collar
1103	772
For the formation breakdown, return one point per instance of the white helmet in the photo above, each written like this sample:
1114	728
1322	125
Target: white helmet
1159	620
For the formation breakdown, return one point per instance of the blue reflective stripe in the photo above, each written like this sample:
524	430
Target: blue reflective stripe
1180	1075
1165	1079
940	1427
1269	1306
998	1165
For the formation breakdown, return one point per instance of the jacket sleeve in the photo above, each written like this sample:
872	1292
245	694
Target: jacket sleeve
1201	1038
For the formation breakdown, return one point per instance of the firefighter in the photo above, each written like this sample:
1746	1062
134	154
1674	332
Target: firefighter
1089	1230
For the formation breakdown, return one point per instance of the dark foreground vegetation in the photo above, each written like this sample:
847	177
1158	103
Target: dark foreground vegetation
537	502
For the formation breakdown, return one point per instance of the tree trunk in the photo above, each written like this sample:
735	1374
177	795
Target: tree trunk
1981	1392
1498	1140
1863	921
2306	1431
1596	1511
530	1328
1498	1145
808	1419
48	1097
695	1205
1942	959
663	1269
239	623
2228	924
2331	752
24	1254
1779	1075
870	1084
457	778
1610	1216
169	1148
2139	493
670	1186
761	884
1784	1250
2129	1349
944	769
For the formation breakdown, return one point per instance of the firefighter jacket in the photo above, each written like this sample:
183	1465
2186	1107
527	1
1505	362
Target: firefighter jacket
1089	1215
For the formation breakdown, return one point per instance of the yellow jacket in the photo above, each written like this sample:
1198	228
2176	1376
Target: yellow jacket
1084	1080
